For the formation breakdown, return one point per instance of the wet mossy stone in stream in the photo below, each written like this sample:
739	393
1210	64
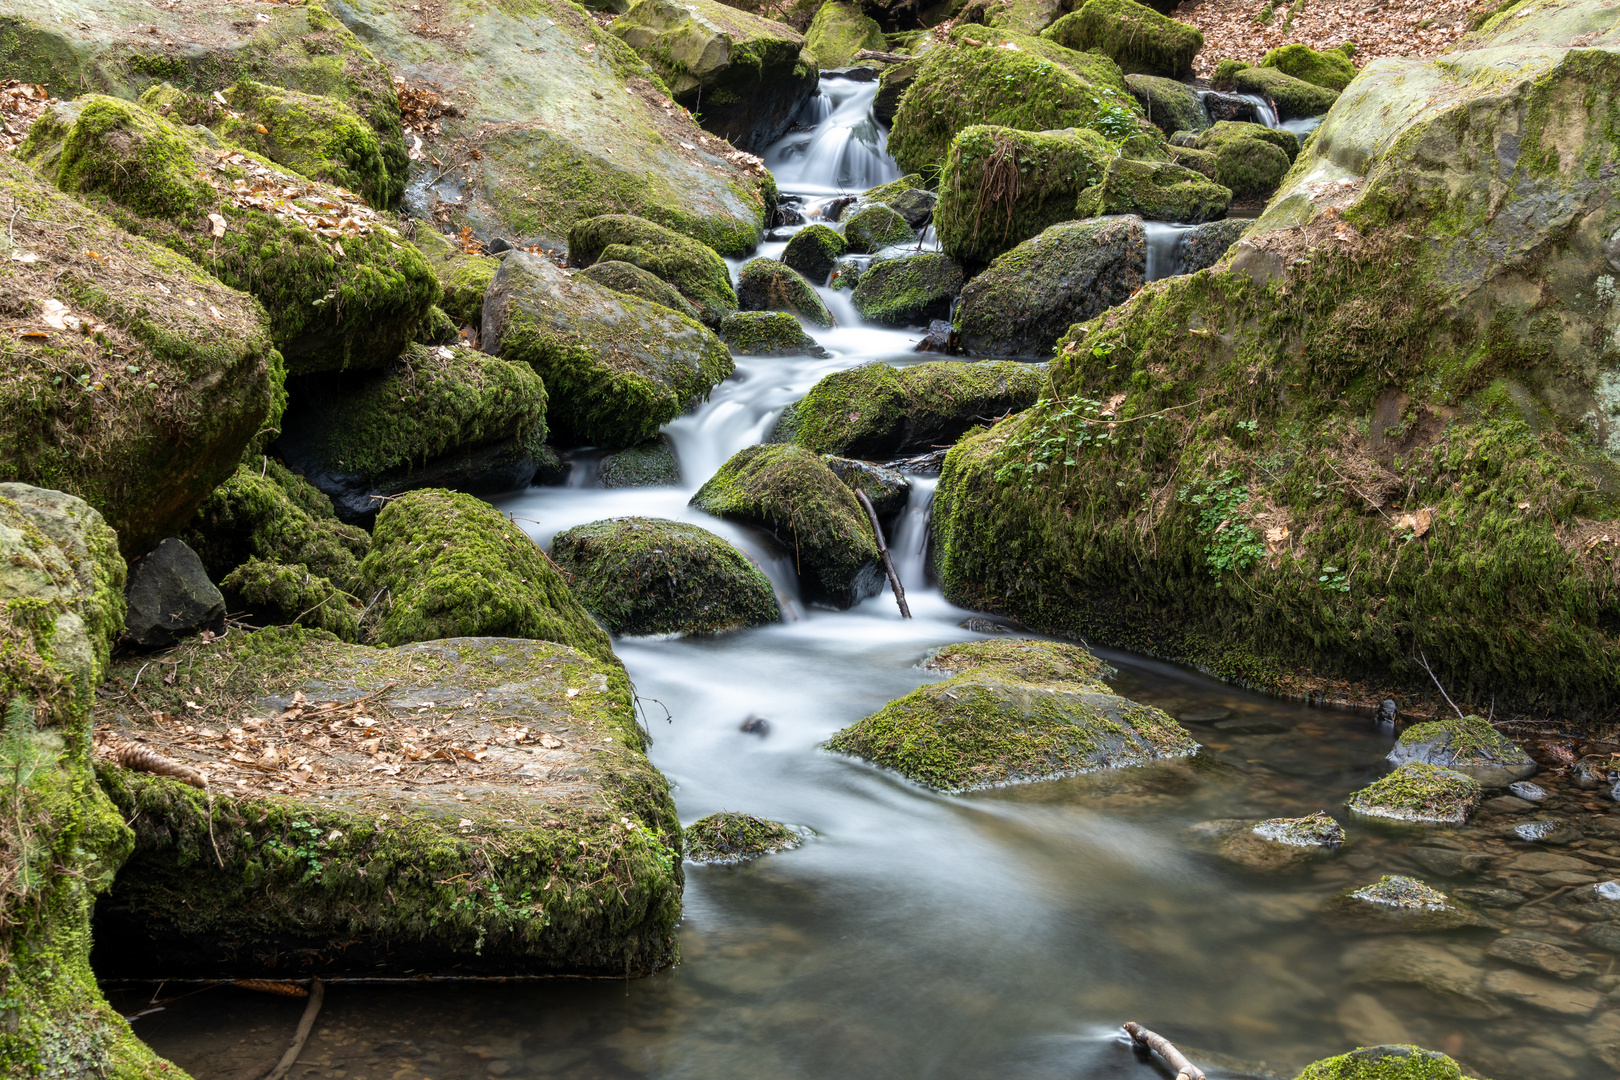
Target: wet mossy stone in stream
616	368
1469	745
789	492
464	277
1385	1063
768	333
888	490
874	227
1031	295
909	291
441	416
1398	904
892	85
693	268
768	285
351	300
1295	99
1012	711
1137	38
454	566
1170	105
629	278
1331	68
1274	845
907	196
651	576
813	251
728	837
1207	244
652	464
366	871
1419	792
274	594
1156	191
143	416
839	31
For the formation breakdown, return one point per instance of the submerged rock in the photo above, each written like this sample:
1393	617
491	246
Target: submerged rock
1540	956
1468	745
813	251
1385	1063
727	838
1275	844
1417	791
650	576
652	464
768	285
1136	37
908	291
1012	711
768	333
692	268
170	597
1398	904
1155	190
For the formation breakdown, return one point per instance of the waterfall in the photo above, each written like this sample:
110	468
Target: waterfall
1164	248
910	547
838	145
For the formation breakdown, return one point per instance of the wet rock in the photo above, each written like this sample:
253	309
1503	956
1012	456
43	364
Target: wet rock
1468	745
1507	804
756	725
652	464
984	626
813	251
1294	98
1386	711
1331	68
1422	974
1539	956
170	597
1171	105
768	285
1526	989
892	86
728	838
1484	897
1155	190
1249	727
1549	831
1418	792
1206	245
874	227
909	291
629	278
1273	845
888	489
1229	107
1399	904
1559	879
1385	1063
1448	863
650	576
1013	711
1137	38
916	205
1527	791
1595	771
1603	935
690	267
768	333
1546	862
937	339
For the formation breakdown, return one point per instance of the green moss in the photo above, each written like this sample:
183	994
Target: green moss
733	838
692	268
874	227
1331	69
813	251
652	464
909	291
1157	191
767	285
453	566
839	31
1385	1063
1293	97
1134	36
767	333
1013	711
628	278
1170	105
259	514
292	594
649	576
892	190
1226	132
1418	792
464	278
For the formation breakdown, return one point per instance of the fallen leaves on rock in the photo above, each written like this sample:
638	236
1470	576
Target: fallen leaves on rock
20	105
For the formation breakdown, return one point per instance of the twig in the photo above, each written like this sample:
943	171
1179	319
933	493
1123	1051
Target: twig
1426	667
1185	1070
883	550
886	57
301	1036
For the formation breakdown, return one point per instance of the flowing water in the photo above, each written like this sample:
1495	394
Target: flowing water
1004	934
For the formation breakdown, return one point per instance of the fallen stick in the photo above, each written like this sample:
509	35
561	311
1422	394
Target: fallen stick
305	1023
883	550
1185	1070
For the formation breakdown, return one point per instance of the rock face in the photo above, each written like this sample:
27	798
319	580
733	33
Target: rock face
170	597
1419	792
813	251
1011	711
1469	746
455	567
768	333
767	285
691	268
1155	190
749	75
736	838
1294	98
650	576
1331	69
1385	1063
1137	38
790	493
909	291
1032	294
1397	904
874	227
615	367
369	873
839	31
1170	105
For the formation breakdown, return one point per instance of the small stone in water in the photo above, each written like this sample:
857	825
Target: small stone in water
756	725
1609	890
1535	830
1527	791
1398	891
1203	716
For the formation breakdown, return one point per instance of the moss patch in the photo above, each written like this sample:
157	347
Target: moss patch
1331	69
839	31
269	514
735	838
767	333
909	291
1134	36
874	227
1385	1063
813	251
628	278
280	594
1418	792
1155	190
768	285
652	464
692	268
1294	98
1170	105
464	278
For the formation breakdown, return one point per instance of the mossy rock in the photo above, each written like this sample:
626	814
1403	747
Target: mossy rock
1275	845
909	291
463	277
1331	69
1032	294
351	300
1206	245
1035	177
143	415
768	285
616	368
1294	98
892	86
453	566
441	416
1226	132
652	464
882	193
839	31
629	278
1012	711
1419	792
727	838
878	412
1137	38
292	595
768	333
1039	86
1170	105
813	251
650	576
1385	1063
888	489
874	227
1469	745
789	492
1156	191
1251	159
1396	904
556	853
692	268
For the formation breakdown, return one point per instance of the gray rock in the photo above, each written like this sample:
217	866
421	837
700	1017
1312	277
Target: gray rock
1469	745
1489	898
1604	935
170	597
1527	791
915	205
1547	831
1399	904
888	489
1203	247
1539	956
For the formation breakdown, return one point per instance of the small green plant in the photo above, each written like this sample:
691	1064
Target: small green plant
1113	120
1333	578
308	843
1230	542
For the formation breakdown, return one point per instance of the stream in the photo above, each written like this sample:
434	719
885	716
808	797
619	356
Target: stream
1005	933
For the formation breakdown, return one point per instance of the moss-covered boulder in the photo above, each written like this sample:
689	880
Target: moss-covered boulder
1155	190
768	333
839	31
691	267
878	412
136	389
1001	187
747	75
1397	904
464	277
1204	246
813	251
1011	711
1251	159
616	368
1385	1063
650	576
628	278
1294	98
277	594
874	227
1331	68
768	285
909	291
1169	104
62	579
1032	294
1037	86
1419	792
727	838
1137	38
1468	745
789	492
907	196
652	464
477	805
453	566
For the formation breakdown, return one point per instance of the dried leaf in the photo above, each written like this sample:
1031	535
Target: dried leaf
218	223
1415	523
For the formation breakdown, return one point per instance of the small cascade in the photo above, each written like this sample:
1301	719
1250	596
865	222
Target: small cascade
839	146
1263	113
1164	248
910	547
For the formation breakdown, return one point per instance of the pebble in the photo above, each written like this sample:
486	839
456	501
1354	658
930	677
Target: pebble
1527	791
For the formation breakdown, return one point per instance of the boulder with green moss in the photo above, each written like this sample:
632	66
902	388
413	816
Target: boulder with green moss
1396	904
1469	745
1417	791
1251	159
1012	711
1294	98
616	368
464	277
454	566
1032	294
337	298
726	838
878	412
1037	86
650	576
1385	1063
691	267
1331	68
768	333
747	75
1275	845
908	196
395	846
1137	38
629	278
768	285
441	416
909	291
1169	104
136	390
1001	186
789	492
839	31
276	594
813	251
873	227
1155	190
652	464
